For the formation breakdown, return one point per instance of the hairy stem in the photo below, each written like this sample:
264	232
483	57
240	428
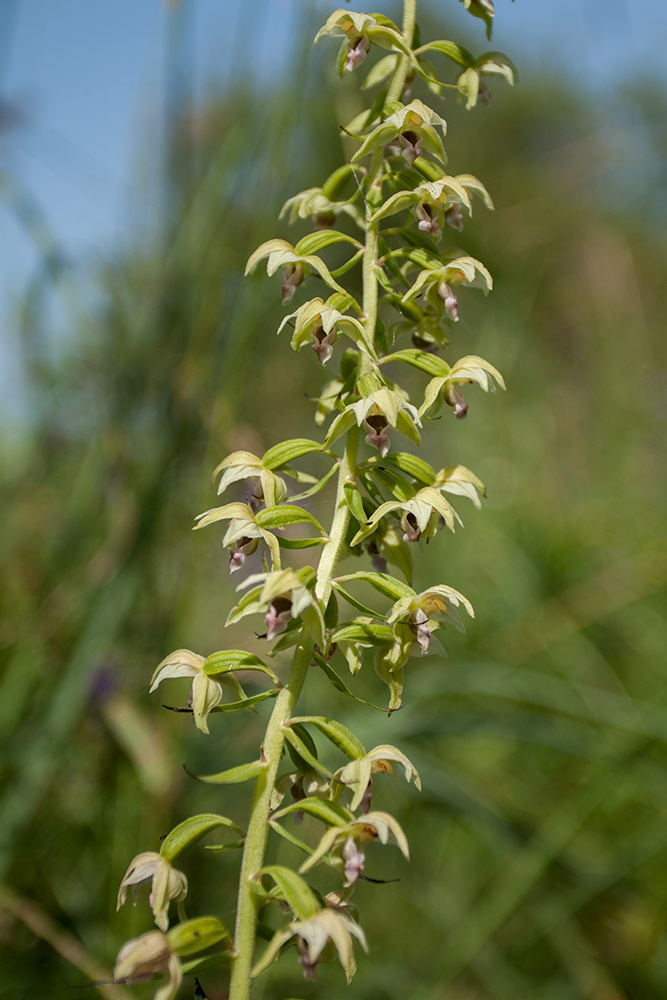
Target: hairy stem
255	843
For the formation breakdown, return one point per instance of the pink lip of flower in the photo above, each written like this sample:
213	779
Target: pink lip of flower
357	52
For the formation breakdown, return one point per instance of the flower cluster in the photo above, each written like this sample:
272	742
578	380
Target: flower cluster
400	202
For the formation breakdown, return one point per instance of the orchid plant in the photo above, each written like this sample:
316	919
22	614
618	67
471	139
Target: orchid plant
396	195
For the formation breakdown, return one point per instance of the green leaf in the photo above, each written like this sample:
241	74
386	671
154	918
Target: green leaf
295	739
364	632
300	898
299	543
285	515
190	831
195	935
206	962
328	812
412	466
336	733
254	699
354	502
233	845
384	583
318	485
314	242
290	837
287	451
398	486
339	684
426	362
452	50
234	775
351	599
229	660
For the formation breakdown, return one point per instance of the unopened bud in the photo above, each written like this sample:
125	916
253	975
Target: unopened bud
324	220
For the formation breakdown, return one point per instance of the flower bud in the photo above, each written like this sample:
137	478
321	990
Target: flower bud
324	220
357	52
142	958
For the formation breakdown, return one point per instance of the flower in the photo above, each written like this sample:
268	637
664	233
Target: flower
380	409
283	597
421	514
357	52
358	773
424	611
206	693
144	957
328	926
167	883
343	843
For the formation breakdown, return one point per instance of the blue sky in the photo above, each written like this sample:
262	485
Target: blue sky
89	76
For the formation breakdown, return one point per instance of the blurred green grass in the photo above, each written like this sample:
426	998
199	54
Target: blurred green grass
538	845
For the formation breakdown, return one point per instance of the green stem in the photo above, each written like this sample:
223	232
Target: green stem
255	843
403	66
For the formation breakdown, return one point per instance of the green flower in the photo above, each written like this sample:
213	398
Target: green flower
206	693
316	937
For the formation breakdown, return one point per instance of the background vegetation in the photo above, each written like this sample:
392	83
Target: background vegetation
538	843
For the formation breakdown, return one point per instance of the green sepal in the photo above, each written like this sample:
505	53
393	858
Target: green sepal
383	68
292	889
365	633
331	612
196	935
287	451
328	812
336	733
234	775
190	831
335	183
